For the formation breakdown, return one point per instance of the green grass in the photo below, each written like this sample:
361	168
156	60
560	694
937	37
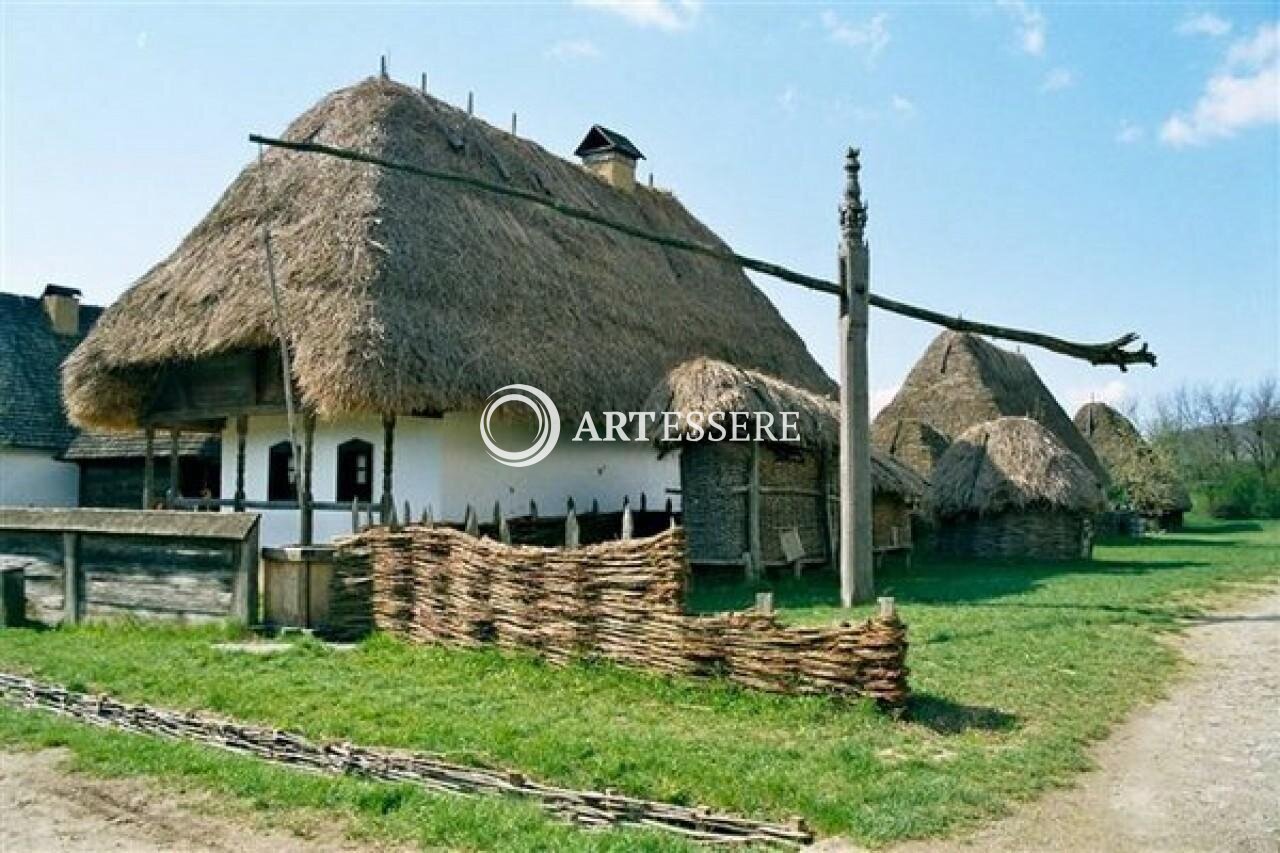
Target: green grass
1016	668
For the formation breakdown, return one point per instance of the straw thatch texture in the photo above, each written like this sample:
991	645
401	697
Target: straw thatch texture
1011	464
404	294
1149	482
1009	488
962	380
912	442
622	601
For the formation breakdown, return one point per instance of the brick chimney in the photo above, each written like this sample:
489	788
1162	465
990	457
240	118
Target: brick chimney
62	305
611	156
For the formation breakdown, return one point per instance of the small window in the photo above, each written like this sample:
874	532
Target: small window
355	471
282	475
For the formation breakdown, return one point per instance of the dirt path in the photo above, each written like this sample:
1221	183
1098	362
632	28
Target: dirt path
1199	771
45	808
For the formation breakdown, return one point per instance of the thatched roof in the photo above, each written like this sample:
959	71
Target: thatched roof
912	442
132	444
1011	464
707	385
962	380
1148	479
404	294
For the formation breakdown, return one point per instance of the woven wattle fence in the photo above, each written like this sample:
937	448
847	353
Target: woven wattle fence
621	601
591	809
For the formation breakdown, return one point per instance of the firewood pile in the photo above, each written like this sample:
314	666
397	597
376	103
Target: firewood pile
590	809
620	600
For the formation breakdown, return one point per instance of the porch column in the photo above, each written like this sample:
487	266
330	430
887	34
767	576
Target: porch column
174	491
305	508
242	433
149	468
388	441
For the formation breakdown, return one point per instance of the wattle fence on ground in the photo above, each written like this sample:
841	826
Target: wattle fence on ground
622	601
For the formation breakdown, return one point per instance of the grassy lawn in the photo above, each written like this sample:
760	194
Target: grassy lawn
1016	667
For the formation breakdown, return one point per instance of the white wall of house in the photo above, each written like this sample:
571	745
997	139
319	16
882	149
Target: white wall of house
35	478
442	462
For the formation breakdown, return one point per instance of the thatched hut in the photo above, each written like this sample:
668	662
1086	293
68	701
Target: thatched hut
407	303
960	381
791	486
1010	488
1143	480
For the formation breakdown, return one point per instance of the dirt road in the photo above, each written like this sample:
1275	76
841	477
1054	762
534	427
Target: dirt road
1199	771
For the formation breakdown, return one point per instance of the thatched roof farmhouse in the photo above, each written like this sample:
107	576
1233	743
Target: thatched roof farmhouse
408	302
1150	484
406	295
960	381
1010	488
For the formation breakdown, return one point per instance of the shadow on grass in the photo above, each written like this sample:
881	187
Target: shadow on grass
1168	540
943	716
1225	527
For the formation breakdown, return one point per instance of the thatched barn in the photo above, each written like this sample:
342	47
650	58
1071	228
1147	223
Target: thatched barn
1141	478
790	487
960	381
1009	488
407	302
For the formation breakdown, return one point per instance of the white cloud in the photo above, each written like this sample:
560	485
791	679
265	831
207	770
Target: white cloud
1031	25
872	35
1058	79
881	397
789	98
1129	133
567	50
902	106
142	40
1204	24
1243	93
667	15
1113	393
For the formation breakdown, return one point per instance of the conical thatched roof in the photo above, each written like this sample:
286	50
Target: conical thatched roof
706	385
962	380
404	294
914	443
1011	464
1148	480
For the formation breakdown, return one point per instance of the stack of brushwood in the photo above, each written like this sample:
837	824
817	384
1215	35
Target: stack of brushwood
621	600
591	809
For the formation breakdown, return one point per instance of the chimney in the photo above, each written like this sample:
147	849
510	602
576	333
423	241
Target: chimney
62	304
611	156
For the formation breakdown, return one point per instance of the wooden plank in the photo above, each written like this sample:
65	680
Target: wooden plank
13	596
754	542
244	593
128	522
174	491
149	468
73	580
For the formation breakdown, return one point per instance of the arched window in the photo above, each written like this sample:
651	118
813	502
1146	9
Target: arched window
355	471
282	482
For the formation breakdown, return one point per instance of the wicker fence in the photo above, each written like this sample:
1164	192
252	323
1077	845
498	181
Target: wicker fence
621	601
591	809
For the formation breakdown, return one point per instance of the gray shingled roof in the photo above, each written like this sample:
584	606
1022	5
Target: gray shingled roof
31	355
100	444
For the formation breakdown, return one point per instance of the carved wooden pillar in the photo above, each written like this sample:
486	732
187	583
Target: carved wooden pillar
388	441
856	572
305	508
149	468
242	433
175	491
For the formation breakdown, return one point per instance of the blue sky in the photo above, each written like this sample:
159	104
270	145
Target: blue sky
1081	169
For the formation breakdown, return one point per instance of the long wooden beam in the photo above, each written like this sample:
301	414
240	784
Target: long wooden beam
1112	352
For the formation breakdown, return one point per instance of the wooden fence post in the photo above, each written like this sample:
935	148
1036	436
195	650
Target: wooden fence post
72	580
471	524
355	515
244	588
628	523
571	529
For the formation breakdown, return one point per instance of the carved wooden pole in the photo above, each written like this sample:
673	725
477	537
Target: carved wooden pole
306	509
174	487
242	434
388	448
149	468
857	583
